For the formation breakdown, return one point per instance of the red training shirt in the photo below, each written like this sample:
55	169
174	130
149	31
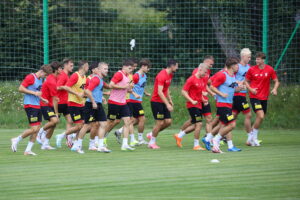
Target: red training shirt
62	80
49	90
260	79
194	87
164	79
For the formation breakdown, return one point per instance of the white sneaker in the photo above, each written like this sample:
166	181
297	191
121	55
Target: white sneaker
142	142
134	143
125	148
104	150
47	147
255	143
118	135
14	144
93	148
80	151
29	153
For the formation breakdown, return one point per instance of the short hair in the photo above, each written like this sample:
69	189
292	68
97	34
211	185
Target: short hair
231	61
245	51
101	64
202	65
208	57
128	62
260	55
66	61
47	69
55	65
171	62
145	62
134	60
81	63
93	66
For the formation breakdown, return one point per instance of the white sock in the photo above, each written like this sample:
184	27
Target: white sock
79	142
140	136
125	142
96	138
153	140
218	138
196	142
19	138
150	133
41	131
120	129
92	142
132	138
255	133
46	141
208	137
250	135
230	144
101	143
29	146
181	134
62	135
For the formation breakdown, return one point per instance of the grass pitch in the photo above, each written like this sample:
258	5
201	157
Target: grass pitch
271	171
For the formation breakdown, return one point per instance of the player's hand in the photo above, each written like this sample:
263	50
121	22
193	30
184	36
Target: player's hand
253	90
274	92
224	95
137	96
94	105
170	107
81	95
147	94
171	102
45	100
194	102
104	101
204	93
38	94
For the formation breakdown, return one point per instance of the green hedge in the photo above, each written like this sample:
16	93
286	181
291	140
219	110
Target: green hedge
283	110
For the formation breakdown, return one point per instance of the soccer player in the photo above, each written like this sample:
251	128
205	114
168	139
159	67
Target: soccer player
240	103
62	80
94	112
258	80
224	85
31	87
193	92
161	102
50	109
117	107
75	87
206	109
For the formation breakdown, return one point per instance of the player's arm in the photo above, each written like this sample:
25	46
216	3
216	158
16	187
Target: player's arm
88	93
187	96
169	97
219	80
210	91
218	92
24	90
70	90
247	84
163	98
276	85
55	105
147	94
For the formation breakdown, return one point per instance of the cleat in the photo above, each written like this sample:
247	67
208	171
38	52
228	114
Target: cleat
58	141
103	150
216	150
149	136
14	144
47	147
256	143
234	149
134	143
118	136
126	148
207	144
77	149
153	146
80	151
93	148
105	142
29	153
142	142
222	143
199	148
178	140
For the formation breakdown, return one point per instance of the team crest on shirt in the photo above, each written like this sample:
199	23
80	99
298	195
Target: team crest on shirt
266	74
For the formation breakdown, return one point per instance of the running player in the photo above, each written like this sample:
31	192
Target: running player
50	109
258	80
161	102
117	107
31	87
240	103
224	86
193	92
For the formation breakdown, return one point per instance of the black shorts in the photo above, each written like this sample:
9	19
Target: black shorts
240	104
206	110
117	111
92	115
34	116
196	115
160	111
225	115
63	109
48	112
259	105
136	109
77	114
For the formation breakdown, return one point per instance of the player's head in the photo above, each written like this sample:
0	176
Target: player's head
93	67
145	65
103	68
68	64
202	69
232	63
260	58
172	64
135	63
44	71
245	55
83	65
127	66
56	66
209	61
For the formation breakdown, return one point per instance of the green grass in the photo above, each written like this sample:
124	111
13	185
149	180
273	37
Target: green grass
271	171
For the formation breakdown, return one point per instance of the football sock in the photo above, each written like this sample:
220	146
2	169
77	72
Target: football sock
120	129
196	142
29	146
101	143
255	133
181	134
230	144
208	137
153	140
125	142
19	138
250	135
132	138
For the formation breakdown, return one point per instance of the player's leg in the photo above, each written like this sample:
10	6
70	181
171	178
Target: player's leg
259	107
101	117
94	135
